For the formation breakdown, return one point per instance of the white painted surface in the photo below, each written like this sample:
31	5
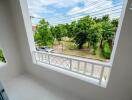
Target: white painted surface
17	47
28	88
8	42
119	86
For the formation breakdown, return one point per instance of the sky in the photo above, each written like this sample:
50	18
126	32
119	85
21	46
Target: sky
65	11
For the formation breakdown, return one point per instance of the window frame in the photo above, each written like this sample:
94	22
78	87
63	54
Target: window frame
81	77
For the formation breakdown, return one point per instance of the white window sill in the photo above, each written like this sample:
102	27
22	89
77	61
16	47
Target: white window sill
72	74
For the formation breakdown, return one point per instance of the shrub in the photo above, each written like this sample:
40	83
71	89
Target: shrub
106	50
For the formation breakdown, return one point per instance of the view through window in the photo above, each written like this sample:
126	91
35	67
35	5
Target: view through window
84	28
69	33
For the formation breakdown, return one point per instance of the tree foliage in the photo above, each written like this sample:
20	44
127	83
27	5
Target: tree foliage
115	22
106	50
43	36
80	39
2	58
94	31
107	33
93	36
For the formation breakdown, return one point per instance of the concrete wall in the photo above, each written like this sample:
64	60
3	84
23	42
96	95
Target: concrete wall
120	83
8	42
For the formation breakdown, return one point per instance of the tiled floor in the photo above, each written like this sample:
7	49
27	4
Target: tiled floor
27	88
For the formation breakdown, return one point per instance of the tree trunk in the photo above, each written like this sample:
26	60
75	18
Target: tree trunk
88	45
110	43
101	44
80	46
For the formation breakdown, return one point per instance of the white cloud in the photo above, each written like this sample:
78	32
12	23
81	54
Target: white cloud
74	10
96	8
66	3
57	3
76	18
91	5
38	8
36	15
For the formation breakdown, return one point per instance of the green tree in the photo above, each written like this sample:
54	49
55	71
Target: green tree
108	29
105	18
94	31
2	58
58	32
115	23
93	36
68	28
107	33
97	20
84	25
63	30
80	39
52	29
43	36
106	50
72	29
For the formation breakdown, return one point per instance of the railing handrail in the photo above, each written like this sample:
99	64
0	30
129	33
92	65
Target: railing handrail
75	64
105	64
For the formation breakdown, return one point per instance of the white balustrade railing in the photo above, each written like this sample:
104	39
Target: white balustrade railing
91	68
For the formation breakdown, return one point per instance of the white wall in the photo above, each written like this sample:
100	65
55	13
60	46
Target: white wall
22	25
120	83
8	42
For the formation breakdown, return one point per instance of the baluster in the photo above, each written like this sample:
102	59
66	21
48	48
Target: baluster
39	56
46	58
101	75
92	70
34	57
42	57
49	58
70	64
78	65
85	66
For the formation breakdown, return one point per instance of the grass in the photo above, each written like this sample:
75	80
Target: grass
69	48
